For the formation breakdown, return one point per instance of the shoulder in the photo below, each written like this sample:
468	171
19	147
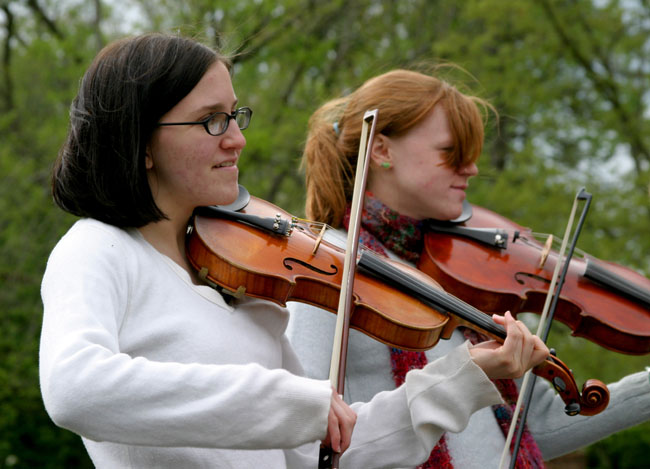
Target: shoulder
91	244
89	236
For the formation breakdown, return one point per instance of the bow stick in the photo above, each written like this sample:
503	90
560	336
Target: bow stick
327	458
544	327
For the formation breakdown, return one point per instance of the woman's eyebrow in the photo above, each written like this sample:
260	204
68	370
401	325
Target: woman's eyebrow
217	106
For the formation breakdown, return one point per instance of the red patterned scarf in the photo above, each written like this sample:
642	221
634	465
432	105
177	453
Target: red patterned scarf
382	229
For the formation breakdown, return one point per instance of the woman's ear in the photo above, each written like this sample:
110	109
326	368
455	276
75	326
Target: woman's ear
380	154
148	158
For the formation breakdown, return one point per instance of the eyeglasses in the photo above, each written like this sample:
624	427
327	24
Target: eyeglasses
217	123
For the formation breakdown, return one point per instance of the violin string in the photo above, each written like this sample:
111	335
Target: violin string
557	241
439	298
430	295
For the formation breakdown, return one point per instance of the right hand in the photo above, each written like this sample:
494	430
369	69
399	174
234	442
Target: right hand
520	351
340	422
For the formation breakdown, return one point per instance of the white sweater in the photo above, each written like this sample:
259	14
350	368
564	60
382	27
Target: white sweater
155	372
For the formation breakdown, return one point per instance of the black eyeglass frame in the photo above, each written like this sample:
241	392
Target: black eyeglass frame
233	115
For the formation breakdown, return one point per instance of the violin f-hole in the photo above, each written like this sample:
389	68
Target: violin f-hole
521	281
289	260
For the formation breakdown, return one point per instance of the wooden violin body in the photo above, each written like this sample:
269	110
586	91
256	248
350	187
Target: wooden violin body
280	268
601	301
393	303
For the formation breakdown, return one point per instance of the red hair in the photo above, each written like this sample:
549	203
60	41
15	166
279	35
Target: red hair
403	98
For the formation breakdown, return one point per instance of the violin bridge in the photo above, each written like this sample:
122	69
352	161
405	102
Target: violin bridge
319	239
545	251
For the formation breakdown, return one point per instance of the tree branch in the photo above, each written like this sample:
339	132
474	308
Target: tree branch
99	40
8	91
33	4
607	87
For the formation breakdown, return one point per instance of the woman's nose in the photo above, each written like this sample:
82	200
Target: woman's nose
469	170
233	137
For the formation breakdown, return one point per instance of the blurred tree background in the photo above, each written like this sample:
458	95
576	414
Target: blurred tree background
570	80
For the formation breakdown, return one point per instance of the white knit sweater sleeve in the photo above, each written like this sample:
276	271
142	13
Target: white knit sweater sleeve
96	282
557	433
400	427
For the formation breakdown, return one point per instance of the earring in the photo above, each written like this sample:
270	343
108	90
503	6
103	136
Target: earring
385	165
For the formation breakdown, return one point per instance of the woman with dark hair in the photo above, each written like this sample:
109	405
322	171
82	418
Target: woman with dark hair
150	365
428	139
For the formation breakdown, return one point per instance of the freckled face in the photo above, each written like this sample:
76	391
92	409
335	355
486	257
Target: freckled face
186	166
420	184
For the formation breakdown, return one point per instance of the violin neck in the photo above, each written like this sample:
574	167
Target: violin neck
431	296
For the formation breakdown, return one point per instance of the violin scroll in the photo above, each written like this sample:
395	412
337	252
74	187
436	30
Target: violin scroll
595	397
595	394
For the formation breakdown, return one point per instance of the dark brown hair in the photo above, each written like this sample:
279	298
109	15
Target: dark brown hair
100	170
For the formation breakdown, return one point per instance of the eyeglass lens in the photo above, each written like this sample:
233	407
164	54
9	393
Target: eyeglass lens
219	122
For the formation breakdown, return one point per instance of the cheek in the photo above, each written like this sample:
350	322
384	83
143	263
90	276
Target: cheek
192	166
424	173
186	156
431	185
175	165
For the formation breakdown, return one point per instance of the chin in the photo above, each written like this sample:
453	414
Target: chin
224	197
455	213
227	200
449	213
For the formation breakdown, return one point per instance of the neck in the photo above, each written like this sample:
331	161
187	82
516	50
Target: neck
383	188
168	237
396	232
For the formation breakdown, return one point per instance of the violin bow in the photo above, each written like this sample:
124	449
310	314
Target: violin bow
544	327
327	458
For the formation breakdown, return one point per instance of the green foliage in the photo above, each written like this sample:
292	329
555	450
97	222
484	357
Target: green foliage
625	450
569	80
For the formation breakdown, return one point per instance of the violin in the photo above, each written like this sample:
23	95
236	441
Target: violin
263	252
497	265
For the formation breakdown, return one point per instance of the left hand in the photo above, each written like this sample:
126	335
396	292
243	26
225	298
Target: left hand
520	351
